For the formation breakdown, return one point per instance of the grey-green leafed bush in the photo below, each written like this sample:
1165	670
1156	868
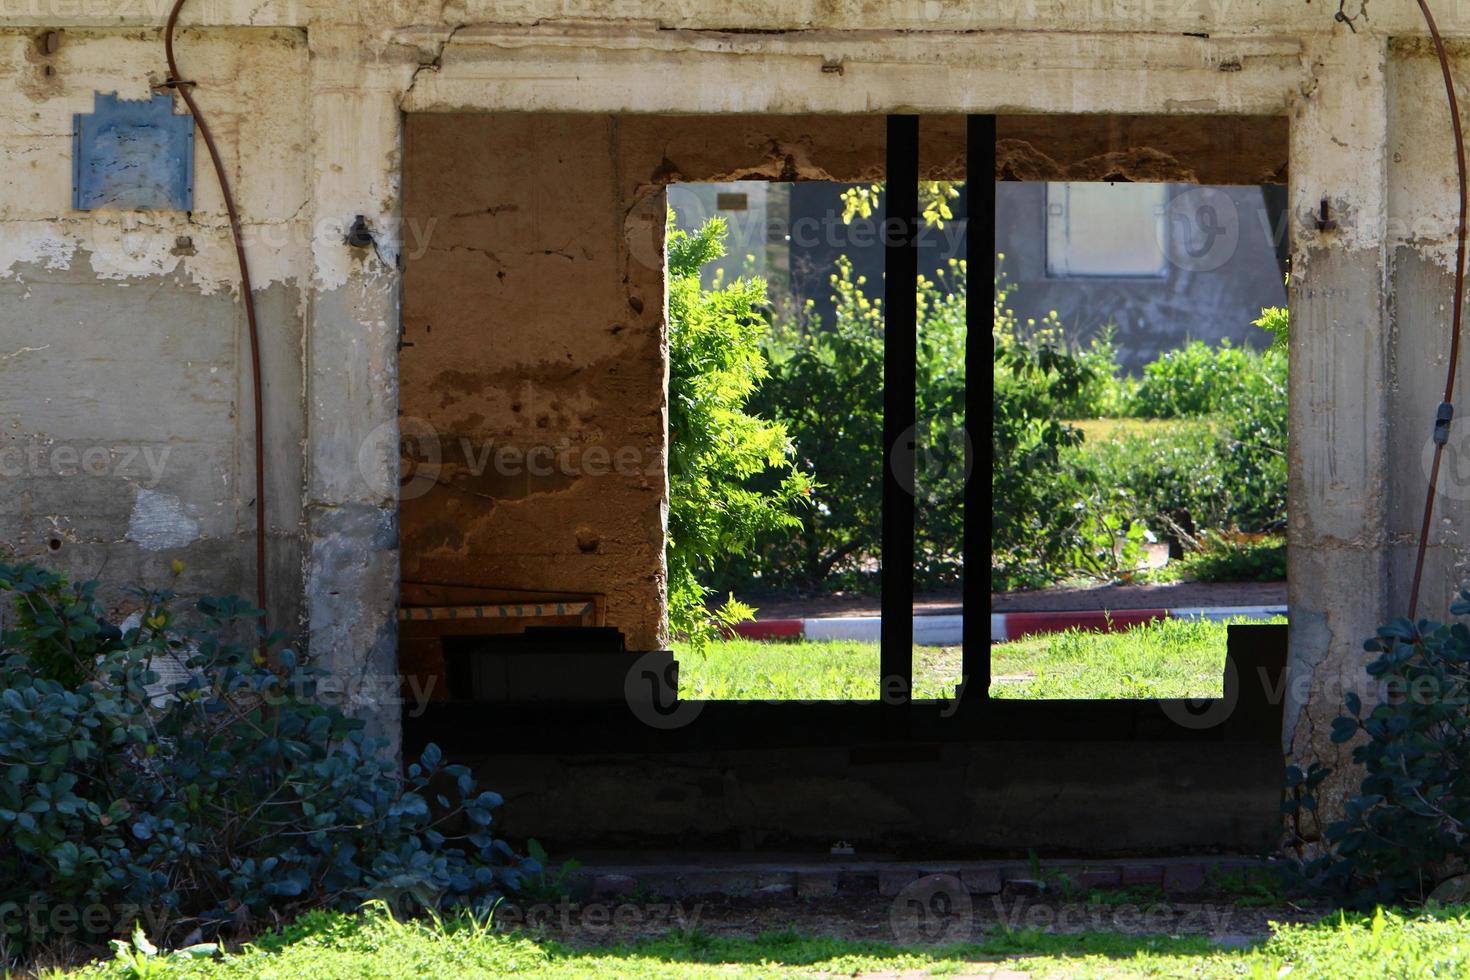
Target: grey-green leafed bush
234	793
1404	831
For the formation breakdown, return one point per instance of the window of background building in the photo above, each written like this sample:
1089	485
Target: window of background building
1114	230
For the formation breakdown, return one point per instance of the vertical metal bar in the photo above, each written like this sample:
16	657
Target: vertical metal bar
900	365
979	315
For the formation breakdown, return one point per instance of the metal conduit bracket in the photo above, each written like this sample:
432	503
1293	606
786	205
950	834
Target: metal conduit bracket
1442	423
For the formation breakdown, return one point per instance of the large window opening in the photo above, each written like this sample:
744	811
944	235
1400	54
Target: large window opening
549	478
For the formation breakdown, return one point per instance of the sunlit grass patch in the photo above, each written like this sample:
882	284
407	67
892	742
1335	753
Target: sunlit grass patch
828	670
329	946
1171	658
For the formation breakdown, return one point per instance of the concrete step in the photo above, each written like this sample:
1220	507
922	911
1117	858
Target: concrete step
812	877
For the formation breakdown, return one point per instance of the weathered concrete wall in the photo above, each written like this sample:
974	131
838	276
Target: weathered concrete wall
113	334
124	385
1211	294
1419	243
534	364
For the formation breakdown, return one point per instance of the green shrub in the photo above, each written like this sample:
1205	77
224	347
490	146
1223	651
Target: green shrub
1055	511
940	469
731	474
1064	505
1405	829
232	794
1195	380
1171	476
1232	558
826	383
1052	517
1105	392
1224	472
1255	448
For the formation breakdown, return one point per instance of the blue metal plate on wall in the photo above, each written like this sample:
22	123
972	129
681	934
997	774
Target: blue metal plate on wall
133	156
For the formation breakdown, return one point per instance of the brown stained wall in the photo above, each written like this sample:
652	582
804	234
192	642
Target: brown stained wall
533	328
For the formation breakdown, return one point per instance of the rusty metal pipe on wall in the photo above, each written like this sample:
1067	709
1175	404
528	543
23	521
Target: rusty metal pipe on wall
177	82
1446	408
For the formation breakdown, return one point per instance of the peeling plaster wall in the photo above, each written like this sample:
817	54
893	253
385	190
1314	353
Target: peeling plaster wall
116	335
1422	209
125	414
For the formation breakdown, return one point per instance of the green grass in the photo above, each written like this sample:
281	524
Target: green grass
1168	659
329	946
829	670
1171	658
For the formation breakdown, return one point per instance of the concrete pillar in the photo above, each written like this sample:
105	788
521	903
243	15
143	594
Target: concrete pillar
352	381
1338	444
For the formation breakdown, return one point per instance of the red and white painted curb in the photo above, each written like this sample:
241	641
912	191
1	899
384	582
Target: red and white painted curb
1016	625
948	630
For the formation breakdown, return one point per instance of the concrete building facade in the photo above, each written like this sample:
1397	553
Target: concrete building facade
509	158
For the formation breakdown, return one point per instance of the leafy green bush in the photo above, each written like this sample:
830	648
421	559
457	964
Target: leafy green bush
1405	829
233	793
1255	448
1196	380
1105	392
827	384
1231	558
718	449
1055	512
1226	472
1065	505
1171	476
940	467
